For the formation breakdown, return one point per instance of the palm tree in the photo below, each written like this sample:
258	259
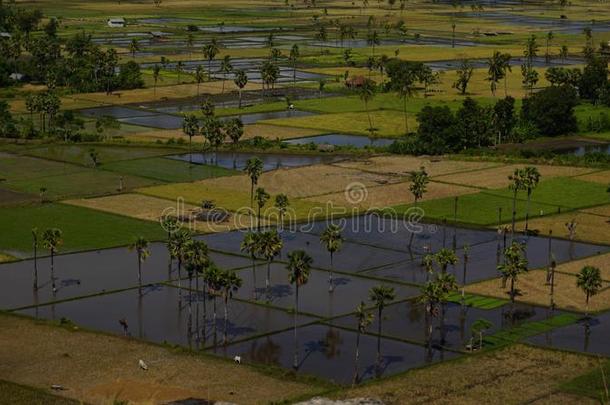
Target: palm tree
372	39
364	319
430	297
190	127
197	261
517	184
589	280
446	285
269	246
209	53
251	246
134	46
140	245
240	80
366	92
179	247
225	67
229	283
332	240
35	237
261	197
531	178
514	264
52	240
444	258
479	327
293	58
269	75
156	71
549	39
380	296
406	89
495	71
281	204
299	266
213	281
199	77
234	129
179	70
254	169
419	180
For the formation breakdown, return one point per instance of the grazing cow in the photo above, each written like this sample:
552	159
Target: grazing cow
237	359
123	323
143	365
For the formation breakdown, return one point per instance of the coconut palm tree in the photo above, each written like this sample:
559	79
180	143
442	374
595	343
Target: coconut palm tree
261	197
517	184
229	283
225	67
418	182
35	241
52	239
254	169
514	265
372	39
363	319
179	245
366	93
406	88
251	245
293	57
269	74
190	127
269	246
140	245
332	240
240	80
495	70
531	178
207	108
381	295
589	280
299	266
281	204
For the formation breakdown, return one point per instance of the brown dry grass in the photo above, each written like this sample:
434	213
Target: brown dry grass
5	258
275	132
603	210
498	177
602	177
564	398
589	228
533	289
394	194
516	374
152	209
600	261
164	92
401	165
304	181
96	368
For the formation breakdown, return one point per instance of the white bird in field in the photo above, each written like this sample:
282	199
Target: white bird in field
143	365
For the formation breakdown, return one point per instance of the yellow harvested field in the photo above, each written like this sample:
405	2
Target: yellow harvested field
602	177
533	289
603	210
304	181
276	132
153	209
498	177
67	103
99	369
600	261
161	93
401	165
392	194
160	134
514	375
589	227
5	258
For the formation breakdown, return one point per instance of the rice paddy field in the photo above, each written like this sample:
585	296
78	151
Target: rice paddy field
101	307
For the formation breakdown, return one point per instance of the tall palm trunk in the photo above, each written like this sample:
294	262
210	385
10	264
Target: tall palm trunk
268	279
179	284
295	364
514	215
331	287
379	336
253	278
527	209
53	271
140	271
226	326
406	118
240	90
356	358
214	319
35	266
